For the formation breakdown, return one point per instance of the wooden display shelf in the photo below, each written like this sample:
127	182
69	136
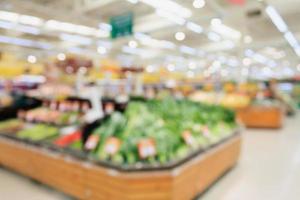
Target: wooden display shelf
85	180
261	116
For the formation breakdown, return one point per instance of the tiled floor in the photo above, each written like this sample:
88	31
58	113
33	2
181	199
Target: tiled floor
269	169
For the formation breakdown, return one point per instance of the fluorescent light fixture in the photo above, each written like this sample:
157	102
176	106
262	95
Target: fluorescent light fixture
276	19
105	26
106	44
225	30
74	28
77	39
214	36
101	50
28	29
31	59
20	28
187	50
133	1
180	36
194	27
6	25
24	42
149	41
171	16
199	3
291	39
9	16
169	6
30	20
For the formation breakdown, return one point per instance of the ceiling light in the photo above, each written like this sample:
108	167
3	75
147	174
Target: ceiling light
171	67
169	6
216	21
248	39
28	29
31	59
194	27
187	50
224	30
133	1
298	67
132	44
180	36
31	20
24	42
214	36
105	27
291	39
199	3
171	16
101	50
61	56
9	16
276	19
77	39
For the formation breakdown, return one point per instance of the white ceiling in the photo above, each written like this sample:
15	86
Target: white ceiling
92	12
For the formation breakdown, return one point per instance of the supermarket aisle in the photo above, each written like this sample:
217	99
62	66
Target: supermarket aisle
269	168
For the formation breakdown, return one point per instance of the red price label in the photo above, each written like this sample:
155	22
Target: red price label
146	148
92	142
188	138
205	131
112	145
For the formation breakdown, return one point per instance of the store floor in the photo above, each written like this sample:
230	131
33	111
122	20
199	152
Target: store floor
269	168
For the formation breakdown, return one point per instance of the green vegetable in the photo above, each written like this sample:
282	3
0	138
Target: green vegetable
163	121
38	132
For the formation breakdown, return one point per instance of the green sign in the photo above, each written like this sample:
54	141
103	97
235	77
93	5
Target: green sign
121	25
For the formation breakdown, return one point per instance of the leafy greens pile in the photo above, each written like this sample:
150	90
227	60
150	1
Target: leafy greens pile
164	122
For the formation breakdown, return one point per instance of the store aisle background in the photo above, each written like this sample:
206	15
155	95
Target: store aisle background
269	168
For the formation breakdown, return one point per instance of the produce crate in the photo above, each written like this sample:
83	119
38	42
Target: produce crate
261	116
87	180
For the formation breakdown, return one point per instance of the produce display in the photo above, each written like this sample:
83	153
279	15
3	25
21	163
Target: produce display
11	125
159	131
235	100
46	115
38	132
204	97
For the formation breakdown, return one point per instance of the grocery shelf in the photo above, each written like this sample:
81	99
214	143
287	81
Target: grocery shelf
87	180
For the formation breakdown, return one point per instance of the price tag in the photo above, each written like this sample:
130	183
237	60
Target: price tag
109	108
112	145
188	138
92	142
206	131
146	148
